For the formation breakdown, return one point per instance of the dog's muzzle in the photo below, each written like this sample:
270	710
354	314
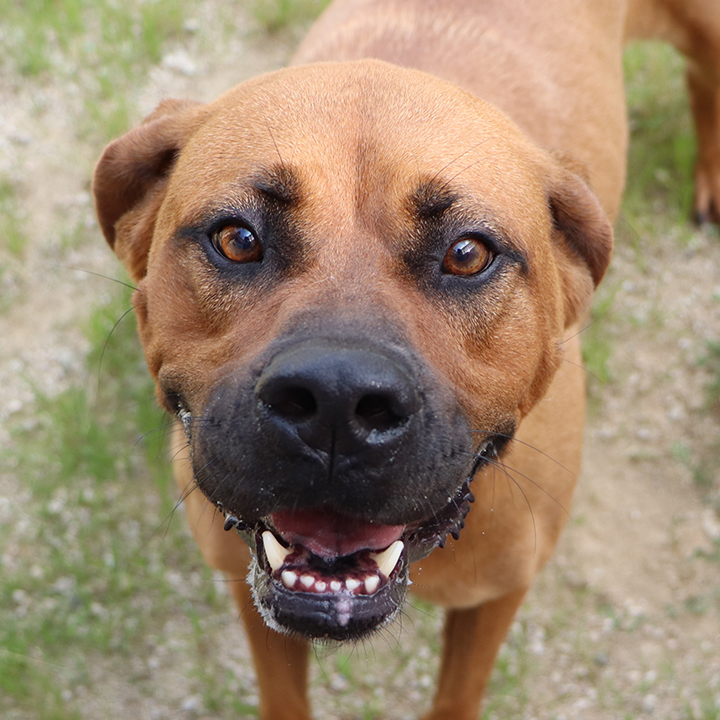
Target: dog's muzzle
339	465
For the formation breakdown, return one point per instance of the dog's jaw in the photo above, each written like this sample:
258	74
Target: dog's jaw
345	597
343	606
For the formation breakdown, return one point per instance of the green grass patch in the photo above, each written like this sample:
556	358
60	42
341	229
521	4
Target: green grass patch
711	362
11	229
277	15
96	543
597	344
662	145
508	693
104	46
128	32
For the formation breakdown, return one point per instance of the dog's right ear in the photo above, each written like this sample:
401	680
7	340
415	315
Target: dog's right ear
131	177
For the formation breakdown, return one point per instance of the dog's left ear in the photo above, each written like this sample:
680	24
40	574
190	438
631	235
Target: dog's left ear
131	176
583	239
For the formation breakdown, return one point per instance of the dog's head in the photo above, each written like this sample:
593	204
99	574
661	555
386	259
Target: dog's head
353	283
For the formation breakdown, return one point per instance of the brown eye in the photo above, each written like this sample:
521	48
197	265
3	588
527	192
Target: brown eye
237	243
467	257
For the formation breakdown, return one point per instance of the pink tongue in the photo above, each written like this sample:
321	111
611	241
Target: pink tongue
330	534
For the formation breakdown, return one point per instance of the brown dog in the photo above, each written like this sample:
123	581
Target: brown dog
359	289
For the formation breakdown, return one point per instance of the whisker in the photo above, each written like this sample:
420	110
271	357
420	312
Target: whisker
163	426
582	367
525	497
513	438
505	468
107	339
96	274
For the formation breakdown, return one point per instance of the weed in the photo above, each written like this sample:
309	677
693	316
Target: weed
95	511
507	690
662	145
596	344
696	604
12	235
276	15
105	45
711	363
712	555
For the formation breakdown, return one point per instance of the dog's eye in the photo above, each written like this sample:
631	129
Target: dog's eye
468	256
237	243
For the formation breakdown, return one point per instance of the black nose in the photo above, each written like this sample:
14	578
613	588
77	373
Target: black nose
338	398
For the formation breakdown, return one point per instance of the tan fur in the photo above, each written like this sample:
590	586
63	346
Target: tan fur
553	68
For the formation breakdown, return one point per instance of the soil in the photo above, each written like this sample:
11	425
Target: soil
624	621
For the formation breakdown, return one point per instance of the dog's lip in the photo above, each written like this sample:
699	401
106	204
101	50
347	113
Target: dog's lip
419	538
341	597
330	534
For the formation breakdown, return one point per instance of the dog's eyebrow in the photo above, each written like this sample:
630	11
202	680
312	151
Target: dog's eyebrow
432	198
278	183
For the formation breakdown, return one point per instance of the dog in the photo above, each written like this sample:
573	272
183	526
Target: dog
360	283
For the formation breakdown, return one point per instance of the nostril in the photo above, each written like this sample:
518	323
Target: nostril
294	403
375	412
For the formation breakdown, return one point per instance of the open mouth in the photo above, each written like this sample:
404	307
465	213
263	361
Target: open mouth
323	574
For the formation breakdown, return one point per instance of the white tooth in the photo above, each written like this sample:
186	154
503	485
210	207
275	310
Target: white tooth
307	580
320	586
335	585
274	551
352	584
388	559
289	578
371	583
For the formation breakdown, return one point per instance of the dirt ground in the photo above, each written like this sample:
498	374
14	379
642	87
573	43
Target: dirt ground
625	621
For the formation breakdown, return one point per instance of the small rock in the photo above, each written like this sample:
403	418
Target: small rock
649	703
711	524
181	62
602	659
192	703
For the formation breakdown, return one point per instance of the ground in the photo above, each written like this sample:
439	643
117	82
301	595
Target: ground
106	609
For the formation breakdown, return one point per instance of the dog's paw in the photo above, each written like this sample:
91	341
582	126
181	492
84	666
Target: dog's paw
707	191
705	102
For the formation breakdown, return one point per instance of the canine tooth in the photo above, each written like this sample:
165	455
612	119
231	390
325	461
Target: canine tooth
335	585
352	584
388	559
320	586
371	583
289	578
307	580
274	551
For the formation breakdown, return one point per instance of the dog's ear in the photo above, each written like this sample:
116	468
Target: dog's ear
131	176
583	238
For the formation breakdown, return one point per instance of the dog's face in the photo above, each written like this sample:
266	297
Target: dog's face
353	283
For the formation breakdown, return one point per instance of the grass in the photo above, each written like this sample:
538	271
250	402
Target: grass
131	33
94	469
662	144
11	227
104	46
659	190
278	15
597	344
711	362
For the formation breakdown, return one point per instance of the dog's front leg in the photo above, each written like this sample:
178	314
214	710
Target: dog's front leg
281	662
472	639
705	103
